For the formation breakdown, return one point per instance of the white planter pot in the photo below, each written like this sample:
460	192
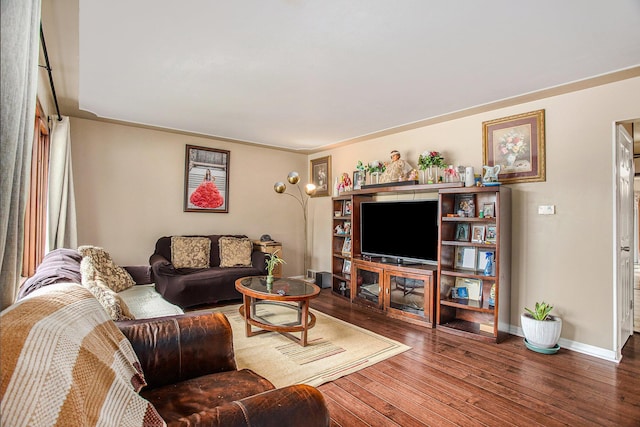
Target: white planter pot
541	333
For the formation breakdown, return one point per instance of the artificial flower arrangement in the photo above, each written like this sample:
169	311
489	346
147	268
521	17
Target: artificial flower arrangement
375	166
431	158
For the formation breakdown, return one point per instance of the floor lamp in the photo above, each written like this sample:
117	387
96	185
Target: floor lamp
303	199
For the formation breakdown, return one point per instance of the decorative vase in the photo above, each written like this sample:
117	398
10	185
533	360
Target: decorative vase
269	282
375	176
511	159
432	175
423	176
541	333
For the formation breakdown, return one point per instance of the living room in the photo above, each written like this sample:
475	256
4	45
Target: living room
129	191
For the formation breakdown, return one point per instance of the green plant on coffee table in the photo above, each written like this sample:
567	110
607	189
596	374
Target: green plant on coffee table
541	311
273	261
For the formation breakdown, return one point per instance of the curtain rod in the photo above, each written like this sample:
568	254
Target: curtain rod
48	68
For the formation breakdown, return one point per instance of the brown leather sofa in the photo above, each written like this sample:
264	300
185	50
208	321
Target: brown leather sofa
188	287
192	379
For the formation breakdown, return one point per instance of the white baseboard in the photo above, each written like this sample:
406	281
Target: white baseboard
599	352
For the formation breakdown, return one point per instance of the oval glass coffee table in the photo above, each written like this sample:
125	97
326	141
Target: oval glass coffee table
293	294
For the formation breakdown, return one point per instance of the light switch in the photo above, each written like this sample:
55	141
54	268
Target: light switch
546	210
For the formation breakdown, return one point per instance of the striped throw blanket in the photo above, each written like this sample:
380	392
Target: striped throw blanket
65	363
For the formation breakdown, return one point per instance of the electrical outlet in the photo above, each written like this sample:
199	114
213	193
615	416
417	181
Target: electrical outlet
546	210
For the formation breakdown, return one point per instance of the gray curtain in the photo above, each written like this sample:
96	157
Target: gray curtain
61	206
19	39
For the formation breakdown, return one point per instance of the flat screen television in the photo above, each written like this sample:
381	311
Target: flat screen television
400	231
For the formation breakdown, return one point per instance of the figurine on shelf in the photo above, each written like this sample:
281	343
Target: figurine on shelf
345	183
339	229
396	170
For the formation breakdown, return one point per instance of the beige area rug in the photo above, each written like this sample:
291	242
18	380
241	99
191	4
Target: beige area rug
335	348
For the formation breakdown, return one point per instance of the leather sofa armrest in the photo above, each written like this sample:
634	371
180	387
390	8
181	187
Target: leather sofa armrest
296	405
177	348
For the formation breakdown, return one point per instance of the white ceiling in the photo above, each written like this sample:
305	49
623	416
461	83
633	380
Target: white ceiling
304	74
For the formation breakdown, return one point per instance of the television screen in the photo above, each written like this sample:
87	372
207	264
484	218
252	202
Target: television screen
404	231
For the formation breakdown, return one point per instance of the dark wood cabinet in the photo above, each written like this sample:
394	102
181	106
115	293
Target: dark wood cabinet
466	244
402	291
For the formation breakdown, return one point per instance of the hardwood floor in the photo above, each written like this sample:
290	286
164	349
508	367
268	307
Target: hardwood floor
446	380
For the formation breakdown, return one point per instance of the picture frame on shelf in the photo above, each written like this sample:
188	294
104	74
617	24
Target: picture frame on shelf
320	173
347	207
206	179
491	234
346	247
465	258
346	266
477	233
462	232
517	144
465	205
473	286
489	210
359	179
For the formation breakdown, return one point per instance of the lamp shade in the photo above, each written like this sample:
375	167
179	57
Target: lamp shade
293	177
279	187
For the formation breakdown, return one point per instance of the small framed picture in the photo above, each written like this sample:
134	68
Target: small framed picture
473	287
347	207
320	173
462	232
465	204
358	179
491	234
346	266
489	210
466	258
346	247
477	234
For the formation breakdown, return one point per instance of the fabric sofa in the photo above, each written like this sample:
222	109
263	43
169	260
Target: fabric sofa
65	362
212	281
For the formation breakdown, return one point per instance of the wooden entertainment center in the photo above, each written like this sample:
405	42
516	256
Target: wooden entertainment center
422	293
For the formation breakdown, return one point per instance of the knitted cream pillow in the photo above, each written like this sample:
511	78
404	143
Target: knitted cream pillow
113	276
113	304
235	251
190	252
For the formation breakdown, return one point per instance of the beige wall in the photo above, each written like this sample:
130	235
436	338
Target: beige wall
565	259
129	189
129	185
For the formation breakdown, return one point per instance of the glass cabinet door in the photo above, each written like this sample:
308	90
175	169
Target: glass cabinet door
367	284
407	294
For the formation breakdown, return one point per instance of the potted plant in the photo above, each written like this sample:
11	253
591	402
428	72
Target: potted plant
540	328
271	263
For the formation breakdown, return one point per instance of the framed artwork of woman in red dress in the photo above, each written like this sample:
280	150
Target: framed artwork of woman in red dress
206	179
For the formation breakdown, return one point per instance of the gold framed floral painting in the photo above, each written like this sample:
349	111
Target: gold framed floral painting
516	144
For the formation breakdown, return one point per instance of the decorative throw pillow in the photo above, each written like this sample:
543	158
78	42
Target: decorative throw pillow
110	300
190	252
114	277
235	252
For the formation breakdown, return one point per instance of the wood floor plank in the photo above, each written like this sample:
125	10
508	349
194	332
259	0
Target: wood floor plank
449	380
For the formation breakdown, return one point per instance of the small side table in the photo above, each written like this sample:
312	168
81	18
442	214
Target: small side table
269	248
